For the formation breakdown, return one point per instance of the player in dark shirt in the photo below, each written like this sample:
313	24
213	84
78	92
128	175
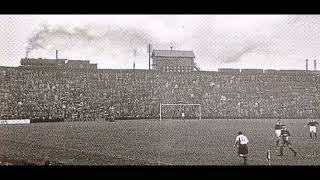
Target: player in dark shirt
313	128
285	134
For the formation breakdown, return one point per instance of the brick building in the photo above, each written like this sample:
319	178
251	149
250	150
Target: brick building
173	61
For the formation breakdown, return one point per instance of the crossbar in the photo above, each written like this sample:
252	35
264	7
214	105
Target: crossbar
180	104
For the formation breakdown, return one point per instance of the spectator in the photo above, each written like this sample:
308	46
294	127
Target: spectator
30	92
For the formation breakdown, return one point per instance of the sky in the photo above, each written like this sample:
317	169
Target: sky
116	41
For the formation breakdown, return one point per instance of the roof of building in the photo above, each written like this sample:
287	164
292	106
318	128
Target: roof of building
172	53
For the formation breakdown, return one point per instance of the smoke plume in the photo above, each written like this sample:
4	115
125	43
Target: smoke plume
104	41
235	55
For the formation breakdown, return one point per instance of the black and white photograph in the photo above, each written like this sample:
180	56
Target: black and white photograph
159	90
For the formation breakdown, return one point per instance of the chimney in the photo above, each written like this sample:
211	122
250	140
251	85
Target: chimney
315	64
306	64
56	54
171	48
149	50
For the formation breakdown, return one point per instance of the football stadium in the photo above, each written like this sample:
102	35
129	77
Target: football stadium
69	112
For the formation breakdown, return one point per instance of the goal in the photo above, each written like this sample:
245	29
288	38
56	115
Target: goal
180	110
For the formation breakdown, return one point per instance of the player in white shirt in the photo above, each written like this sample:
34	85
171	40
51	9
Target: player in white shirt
183	115
313	128
112	111
242	141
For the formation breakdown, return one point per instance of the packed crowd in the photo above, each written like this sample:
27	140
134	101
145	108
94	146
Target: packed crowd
86	95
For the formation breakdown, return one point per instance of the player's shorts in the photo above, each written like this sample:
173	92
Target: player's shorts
278	132
313	129
285	141
243	150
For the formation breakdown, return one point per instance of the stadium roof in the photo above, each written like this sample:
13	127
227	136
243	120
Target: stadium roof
172	53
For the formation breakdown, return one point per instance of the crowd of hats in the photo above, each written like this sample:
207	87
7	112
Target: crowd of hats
77	95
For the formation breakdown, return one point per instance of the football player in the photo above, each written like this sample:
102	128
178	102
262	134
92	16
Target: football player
242	141
183	115
278	128
285	134
313	128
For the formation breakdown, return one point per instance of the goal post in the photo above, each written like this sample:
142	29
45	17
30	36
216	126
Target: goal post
197	113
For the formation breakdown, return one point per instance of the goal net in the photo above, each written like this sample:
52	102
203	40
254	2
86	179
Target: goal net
180	111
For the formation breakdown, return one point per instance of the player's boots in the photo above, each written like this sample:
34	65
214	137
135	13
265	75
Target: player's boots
294	152
245	161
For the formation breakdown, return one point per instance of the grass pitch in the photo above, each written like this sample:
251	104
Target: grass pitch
154	142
